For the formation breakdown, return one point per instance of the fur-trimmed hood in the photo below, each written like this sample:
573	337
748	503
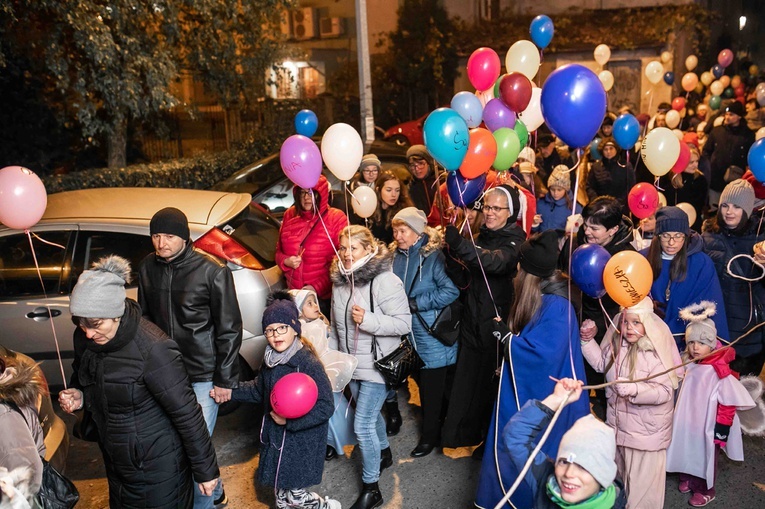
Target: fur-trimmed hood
434	243
376	265
26	385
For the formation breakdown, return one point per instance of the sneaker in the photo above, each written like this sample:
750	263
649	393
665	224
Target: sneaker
699	500
221	501
684	486
330	503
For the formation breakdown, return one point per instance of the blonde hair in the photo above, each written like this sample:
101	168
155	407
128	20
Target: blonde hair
360	234
308	345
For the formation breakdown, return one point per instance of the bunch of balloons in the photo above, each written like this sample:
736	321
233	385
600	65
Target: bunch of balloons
22	198
625	276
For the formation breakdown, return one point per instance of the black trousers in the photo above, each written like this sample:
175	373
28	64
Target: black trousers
434	384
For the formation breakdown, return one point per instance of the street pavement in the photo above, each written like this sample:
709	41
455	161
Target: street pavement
438	481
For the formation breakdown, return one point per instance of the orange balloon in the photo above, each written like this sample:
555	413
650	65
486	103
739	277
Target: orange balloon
482	150
627	278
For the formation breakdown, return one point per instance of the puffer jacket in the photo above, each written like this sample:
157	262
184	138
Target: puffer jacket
644	421
612	177
21	440
431	289
390	320
302	233
151	430
555	212
726	146
721	244
193	300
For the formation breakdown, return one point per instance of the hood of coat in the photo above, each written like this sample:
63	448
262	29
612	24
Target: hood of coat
430	242
322	191
26	385
695	243
379	263
720	360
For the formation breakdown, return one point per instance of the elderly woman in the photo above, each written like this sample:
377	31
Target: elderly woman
420	263
370	313
130	376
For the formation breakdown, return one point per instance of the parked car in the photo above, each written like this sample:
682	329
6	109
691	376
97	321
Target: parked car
80	227
270	188
407	133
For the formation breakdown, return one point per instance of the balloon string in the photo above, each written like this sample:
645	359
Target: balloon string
570	254
279	463
755	262
483	272
47	305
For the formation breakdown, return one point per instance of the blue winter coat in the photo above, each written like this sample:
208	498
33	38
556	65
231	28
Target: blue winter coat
433	290
554	212
305	443
700	283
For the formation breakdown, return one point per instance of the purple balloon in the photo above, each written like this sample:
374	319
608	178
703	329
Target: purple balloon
587	265
496	115
464	191
301	161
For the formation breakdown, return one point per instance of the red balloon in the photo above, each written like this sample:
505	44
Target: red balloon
483	68
515	91
678	103
482	150
643	200
683	159
739	90
294	395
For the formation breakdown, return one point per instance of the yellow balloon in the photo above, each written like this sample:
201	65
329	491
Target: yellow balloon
662	200
706	78
689	211
760	134
660	150
691	62
716	88
666	56
627	278
523	57
607	79
754	70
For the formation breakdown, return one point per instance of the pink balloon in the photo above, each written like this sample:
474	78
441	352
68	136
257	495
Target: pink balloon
643	200
301	161
683	159
294	395
483	68
725	58
22	197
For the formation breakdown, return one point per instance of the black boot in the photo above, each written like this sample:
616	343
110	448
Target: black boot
392	418
386	459
370	497
331	453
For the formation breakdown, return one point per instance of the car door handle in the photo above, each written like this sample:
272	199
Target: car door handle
43	313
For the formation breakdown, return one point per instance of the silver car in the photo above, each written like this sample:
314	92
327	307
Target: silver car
80	227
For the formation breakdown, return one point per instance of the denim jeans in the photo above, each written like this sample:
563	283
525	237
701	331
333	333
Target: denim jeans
369	426
210	414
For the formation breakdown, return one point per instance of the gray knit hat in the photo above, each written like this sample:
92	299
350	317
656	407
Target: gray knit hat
560	177
100	292
370	160
414	218
700	327
417	151
591	444
739	193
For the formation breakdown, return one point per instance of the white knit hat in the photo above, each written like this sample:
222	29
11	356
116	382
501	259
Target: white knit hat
591	444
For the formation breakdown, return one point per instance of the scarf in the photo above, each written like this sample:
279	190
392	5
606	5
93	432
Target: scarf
273	358
604	499
358	263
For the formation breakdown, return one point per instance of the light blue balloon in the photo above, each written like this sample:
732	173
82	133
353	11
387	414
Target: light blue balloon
446	137
594	152
469	108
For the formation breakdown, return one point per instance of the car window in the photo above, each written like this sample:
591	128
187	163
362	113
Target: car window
18	272
253	179
277	198
256	231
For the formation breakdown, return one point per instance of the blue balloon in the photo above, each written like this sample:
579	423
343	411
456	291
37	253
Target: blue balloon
756	159
446	137
594	153
718	70
306	123
469	108
669	78
542	31
587	265
574	104
464	191
626	131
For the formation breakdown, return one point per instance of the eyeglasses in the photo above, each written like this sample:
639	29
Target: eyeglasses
493	209
417	162
305	192
278	331
370	170
667	237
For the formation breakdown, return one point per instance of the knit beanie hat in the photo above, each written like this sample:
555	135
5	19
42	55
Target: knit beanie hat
700	327
100	292
672	219
300	296
736	108
414	218
282	309
527	167
527	154
417	151
739	193
607	141
591	444
560	177
539	254
171	221
369	160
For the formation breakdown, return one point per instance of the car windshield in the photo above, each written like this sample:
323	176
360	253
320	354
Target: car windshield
257	231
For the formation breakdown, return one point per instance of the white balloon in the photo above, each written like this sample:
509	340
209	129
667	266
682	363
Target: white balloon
672	118
666	56
342	150
660	150
607	79
364	201
759	134
678	133
718	121
691	62
654	71
662	200
602	54
716	88
689	210
532	115
707	78
523	57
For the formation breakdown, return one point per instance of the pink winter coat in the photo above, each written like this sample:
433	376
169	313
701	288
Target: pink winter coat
302	233
643	421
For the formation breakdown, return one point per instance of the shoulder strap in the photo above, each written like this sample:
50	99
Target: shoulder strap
372	310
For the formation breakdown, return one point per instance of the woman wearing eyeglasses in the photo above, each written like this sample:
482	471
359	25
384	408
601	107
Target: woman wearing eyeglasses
682	273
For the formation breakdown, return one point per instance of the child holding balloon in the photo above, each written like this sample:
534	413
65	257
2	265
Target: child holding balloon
297	403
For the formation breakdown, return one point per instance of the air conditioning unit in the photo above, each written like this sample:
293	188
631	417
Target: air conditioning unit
304	23
331	27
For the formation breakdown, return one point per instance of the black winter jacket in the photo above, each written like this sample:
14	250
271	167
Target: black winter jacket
151	430
192	298
612	177
727	146
423	192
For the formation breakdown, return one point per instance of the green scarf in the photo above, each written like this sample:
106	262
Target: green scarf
604	499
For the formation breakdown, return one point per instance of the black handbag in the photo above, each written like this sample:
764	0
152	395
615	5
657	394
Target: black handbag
446	326
395	367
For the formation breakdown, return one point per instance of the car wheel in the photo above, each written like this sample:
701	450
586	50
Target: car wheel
400	140
245	374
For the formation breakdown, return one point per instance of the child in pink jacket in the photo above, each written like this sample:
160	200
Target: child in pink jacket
639	412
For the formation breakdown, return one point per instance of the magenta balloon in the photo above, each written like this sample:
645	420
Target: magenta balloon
294	395
22	197
483	68
496	115
301	161
725	58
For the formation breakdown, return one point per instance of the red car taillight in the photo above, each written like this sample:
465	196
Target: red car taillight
218	243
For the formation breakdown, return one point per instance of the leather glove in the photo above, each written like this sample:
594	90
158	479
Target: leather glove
452	235
413	304
721	434
625	390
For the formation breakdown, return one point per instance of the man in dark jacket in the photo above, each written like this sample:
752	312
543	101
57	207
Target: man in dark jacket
493	260
612	175
550	157
190	295
727	145
422	188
